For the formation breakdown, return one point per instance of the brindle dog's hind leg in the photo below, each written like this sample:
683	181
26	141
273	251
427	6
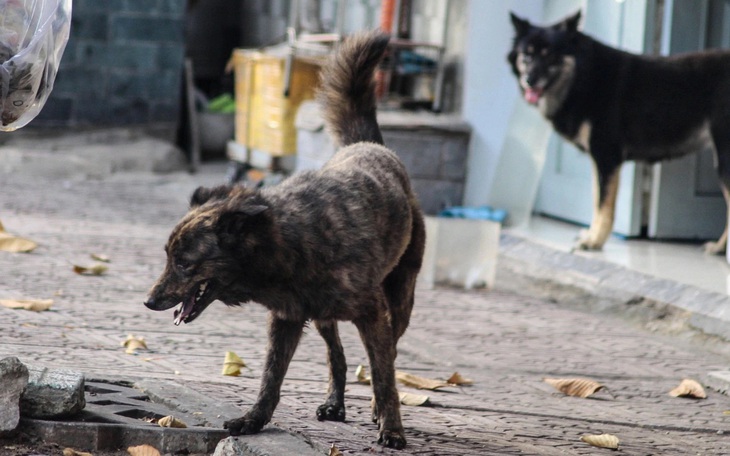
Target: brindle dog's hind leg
333	408
283	340
377	336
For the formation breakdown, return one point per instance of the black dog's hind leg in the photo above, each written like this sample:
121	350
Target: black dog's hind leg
721	138
333	408
283	340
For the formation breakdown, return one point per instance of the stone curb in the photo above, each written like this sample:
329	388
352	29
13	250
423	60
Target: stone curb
604	285
596	285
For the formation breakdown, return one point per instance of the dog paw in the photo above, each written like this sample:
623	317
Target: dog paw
331	412
392	439
714	248
244	425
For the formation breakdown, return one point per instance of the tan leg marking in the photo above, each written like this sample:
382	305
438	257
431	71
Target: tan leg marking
603	214
718	247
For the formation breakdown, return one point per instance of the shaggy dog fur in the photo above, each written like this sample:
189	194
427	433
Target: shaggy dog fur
341	243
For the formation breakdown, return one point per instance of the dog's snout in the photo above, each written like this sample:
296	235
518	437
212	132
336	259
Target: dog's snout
151	303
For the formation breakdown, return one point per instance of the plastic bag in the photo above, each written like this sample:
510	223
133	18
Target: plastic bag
33	35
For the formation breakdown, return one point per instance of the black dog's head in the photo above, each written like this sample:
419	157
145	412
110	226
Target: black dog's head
541	55
205	251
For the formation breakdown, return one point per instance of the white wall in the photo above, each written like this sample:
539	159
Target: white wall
490	89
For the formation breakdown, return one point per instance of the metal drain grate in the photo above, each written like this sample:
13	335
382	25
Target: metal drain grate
118	415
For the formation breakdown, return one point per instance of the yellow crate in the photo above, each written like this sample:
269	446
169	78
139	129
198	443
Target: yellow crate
264	117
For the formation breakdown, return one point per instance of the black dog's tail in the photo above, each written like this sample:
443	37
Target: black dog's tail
347	91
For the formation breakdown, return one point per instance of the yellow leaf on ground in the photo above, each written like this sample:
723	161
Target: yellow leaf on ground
95	270
580	387
415	381
100	257
36	305
143	450
132	344
602	441
689	388
413	399
171	422
14	244
457	379
232	364
72	452
334	451
362	374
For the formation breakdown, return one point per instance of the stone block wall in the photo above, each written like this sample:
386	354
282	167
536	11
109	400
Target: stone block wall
122	65
434	153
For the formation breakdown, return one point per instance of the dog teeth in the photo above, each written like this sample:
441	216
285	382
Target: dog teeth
201	291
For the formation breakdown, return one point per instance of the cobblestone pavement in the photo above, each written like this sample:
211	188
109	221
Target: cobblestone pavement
507	343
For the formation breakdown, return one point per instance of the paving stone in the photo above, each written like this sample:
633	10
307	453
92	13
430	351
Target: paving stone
52	393
13	381
269	442
507	341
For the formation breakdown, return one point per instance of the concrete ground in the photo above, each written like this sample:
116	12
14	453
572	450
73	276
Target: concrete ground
534	325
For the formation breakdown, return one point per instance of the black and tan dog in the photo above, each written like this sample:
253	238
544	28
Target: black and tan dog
341	243
618	106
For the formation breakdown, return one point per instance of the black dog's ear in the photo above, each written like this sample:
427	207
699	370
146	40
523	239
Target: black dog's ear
202	195
569	24
521	26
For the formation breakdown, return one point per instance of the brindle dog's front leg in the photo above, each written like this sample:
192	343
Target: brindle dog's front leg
333	408
283	340
377	336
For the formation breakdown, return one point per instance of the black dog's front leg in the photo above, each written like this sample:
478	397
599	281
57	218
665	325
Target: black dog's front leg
333	408
283	340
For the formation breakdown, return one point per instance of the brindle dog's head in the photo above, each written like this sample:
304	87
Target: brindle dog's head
541	56
205	251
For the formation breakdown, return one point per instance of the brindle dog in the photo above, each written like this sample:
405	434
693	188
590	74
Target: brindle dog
341	243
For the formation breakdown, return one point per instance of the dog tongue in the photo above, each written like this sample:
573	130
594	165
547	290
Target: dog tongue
533	95
184	311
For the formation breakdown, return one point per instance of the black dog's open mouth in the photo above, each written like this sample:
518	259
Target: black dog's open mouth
195	304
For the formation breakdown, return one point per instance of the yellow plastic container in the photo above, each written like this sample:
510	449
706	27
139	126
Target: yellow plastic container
264	116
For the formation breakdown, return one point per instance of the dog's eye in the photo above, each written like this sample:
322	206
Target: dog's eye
184	266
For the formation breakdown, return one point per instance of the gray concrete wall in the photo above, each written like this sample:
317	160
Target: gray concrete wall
122	65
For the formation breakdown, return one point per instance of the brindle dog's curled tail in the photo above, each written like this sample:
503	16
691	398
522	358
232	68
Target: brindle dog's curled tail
347	90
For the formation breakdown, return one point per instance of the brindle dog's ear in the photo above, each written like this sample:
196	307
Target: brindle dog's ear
202	195
569	24
234	223
521	26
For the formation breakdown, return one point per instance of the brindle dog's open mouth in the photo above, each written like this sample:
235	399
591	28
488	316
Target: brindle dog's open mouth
195	304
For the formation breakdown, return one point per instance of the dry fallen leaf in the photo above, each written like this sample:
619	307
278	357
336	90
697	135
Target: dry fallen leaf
36	305
602	441
100	257
362	376
132	344
415	381
143	450
413	399
580	387
232	365
72	452
171	422
95	270
334	451
457	379
689	388
14	244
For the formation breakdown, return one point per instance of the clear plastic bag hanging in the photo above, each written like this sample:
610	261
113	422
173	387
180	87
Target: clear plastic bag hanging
33	36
